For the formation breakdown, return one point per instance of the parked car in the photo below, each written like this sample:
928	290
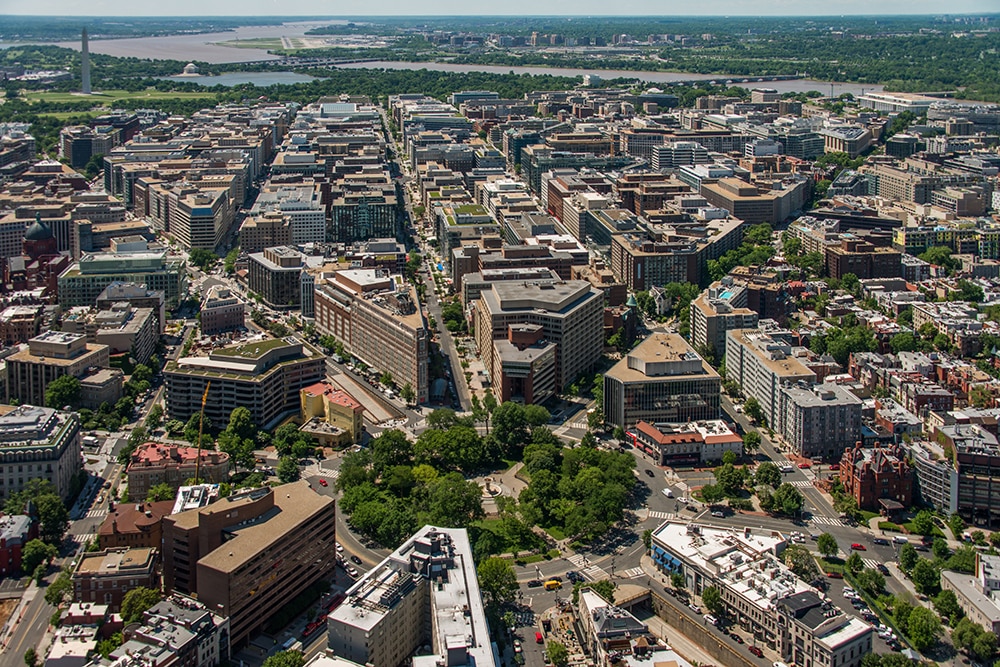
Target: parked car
883	569
695	608
535	583
650	473
834	575
859	547
880	540
355	560
756	651
719	514
736	638
340	547
711	619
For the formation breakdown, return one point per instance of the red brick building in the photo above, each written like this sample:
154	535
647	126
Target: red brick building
870	475
15	531
134	525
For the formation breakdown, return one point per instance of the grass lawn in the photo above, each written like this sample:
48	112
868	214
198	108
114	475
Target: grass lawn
256	43
867	516
890	526
556	533
66	115
831	565
114	95
935	531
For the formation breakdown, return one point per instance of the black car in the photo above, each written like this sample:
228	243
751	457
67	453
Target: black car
574	576
535	583
355	560
650	473
559	579
883	569
880	540
736	638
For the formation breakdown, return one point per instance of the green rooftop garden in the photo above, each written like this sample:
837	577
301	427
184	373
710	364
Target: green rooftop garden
251	350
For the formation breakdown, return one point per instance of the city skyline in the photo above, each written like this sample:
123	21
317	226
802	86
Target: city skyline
589	8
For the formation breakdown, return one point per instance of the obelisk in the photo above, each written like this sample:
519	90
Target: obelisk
85	66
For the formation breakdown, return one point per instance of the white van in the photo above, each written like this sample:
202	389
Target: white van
900	539
787	468
668	493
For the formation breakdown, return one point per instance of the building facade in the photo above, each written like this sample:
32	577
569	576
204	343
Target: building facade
869	475
661	380
152	464
48	356
38	443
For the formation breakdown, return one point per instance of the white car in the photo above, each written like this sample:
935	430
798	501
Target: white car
517	646
340	547
711	619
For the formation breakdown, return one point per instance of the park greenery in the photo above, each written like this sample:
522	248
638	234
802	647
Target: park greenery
396	485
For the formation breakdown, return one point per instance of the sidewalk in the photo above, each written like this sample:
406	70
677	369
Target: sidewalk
26	598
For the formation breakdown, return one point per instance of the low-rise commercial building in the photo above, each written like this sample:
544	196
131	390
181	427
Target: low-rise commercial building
248	554
16	530
814	631
38	443
686	444
104	577
264	376
198	636
153	463
425	593
334	407
138	296
661	380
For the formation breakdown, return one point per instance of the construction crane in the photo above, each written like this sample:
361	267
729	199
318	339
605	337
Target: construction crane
201	427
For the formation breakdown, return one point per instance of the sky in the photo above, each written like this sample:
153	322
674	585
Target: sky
509	7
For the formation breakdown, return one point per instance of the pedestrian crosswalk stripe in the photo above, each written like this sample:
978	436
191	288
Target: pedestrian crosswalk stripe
801	483
577	559
595	573
827	521
632	573
653	514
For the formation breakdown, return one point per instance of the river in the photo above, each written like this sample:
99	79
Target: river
793	86
205	47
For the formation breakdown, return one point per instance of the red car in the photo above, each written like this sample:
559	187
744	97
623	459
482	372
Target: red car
834	466
756	651
858	547
322	482
834	575
805	466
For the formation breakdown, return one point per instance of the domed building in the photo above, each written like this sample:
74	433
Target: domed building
39	240
190	69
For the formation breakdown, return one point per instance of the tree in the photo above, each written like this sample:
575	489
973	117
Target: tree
872	582
957	525
923	523
712	598
203	259
558	654
908	557
158	492
854	563
946	604
288	470
677	581
31	658
57	591
904	342
191	429
729	457
767	473
536	415
510	426
407	394
751	442
63	391
984	647
497	581
136	602
801	562
923	628
155	417
787	499
827	545
238	438
37	553
53	518
753	410
940	256
285	659
926	578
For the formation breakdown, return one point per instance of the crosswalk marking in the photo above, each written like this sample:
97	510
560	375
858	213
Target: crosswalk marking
577	559
83	539
870	562
96	514
632	573
653	514
826	521
595	573
801	483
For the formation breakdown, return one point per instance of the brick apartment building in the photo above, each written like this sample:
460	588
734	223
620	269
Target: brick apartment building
871	475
